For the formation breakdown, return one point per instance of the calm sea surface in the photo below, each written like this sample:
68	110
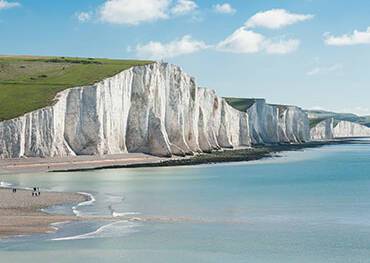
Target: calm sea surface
309	206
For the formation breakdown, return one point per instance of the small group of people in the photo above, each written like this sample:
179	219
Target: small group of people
36	191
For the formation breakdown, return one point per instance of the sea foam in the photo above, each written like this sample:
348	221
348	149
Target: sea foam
89	202
113	229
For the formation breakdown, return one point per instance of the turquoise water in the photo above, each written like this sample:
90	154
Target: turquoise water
309	206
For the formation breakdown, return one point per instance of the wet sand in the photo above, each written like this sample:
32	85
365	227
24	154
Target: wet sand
20	212
35	164
134	160
224	156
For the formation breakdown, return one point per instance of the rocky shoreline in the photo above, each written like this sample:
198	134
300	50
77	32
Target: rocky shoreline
224	156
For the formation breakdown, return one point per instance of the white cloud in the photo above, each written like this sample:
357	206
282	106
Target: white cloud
242	41
133	12
356	38
225	8
158	50
324	70
183	7
247	41
83	17
7	5
276	18
282	46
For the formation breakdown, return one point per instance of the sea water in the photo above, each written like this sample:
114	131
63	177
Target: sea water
307	206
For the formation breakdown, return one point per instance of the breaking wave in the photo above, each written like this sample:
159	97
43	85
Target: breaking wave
5	184
113	229
89	202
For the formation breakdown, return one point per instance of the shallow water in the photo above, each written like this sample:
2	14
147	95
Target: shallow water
309	206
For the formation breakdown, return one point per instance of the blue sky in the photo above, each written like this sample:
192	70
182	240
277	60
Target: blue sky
311	53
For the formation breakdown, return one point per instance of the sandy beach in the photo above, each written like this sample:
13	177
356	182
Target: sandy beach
36	164
20	212
135	160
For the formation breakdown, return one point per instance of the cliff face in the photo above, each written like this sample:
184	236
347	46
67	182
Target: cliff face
271	124
156	109
323	130
326	130
350	129
293	125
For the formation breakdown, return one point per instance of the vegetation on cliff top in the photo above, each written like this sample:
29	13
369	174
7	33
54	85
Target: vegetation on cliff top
314	122
241	104
316	116
28	83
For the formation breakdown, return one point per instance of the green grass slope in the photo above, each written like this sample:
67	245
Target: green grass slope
314	122
241	104
316	116
29	83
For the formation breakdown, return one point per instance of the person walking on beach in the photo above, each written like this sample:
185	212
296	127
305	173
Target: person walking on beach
36	191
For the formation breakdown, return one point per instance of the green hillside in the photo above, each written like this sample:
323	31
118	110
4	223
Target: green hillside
316	116
29	83
241	104
315	121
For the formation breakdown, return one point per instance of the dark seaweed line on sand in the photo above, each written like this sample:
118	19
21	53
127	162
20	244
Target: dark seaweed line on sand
239	155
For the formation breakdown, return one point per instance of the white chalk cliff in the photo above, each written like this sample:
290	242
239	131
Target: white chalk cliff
323	130
326	130
156	109
350	129
270	124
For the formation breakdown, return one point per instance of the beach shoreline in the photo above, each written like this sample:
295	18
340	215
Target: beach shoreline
224	156
141	160
21	212
48	164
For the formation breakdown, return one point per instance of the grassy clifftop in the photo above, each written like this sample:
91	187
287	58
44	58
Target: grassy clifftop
241	104
316	116
29	83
